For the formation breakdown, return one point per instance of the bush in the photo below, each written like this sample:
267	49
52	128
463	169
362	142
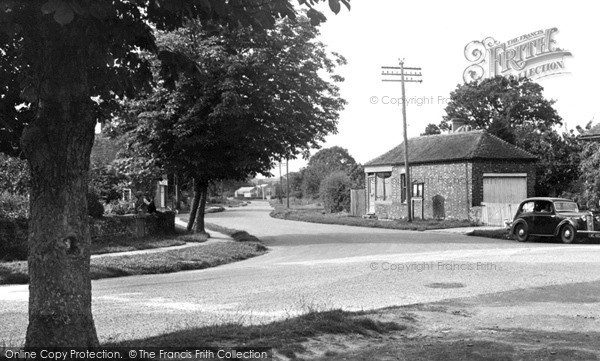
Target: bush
13	206
335	192
119	208
14	210
14	175
106	182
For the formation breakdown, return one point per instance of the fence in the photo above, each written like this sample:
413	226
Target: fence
358	202
494	214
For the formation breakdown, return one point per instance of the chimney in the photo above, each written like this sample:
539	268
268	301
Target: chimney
457	123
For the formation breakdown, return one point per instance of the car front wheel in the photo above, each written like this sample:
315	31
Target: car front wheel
521	233
567	234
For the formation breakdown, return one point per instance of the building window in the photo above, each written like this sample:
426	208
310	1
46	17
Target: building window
383	189
403	188
417	190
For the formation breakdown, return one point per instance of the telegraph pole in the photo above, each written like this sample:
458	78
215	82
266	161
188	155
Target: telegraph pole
413	76
280	184
287	182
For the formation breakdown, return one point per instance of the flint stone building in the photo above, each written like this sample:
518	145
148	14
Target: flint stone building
452	176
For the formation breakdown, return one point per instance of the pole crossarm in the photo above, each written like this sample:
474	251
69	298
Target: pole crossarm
405	80
399	68
393	73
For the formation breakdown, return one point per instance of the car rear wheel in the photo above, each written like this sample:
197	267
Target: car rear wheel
521	233
567	234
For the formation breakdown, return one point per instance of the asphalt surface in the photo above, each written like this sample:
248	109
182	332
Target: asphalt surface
315	266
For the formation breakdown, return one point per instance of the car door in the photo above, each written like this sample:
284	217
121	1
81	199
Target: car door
526	213
544	218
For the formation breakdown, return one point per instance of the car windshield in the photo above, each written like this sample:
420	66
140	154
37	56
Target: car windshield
566	207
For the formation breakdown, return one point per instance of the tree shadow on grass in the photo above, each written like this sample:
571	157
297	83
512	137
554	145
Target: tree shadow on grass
286	337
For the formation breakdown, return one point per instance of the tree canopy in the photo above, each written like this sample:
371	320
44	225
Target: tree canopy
70	62
323	163
516	111
507	101
590	174
247	101
431	129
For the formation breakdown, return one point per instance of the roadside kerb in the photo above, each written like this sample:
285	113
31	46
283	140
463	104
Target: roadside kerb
464	230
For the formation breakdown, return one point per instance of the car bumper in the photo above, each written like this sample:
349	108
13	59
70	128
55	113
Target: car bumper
589	234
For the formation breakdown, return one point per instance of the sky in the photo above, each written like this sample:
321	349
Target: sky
433	35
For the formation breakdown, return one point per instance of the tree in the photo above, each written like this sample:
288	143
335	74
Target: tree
357	177
335	192
106	182
558	155
232	119
69	60
295	182
516	111
509	101
323	163
431	129
589	170
14	175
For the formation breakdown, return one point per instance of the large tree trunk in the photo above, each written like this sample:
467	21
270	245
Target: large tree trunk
58	145
194	209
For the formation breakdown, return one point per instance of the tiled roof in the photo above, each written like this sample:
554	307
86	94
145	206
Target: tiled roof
245	189
477	144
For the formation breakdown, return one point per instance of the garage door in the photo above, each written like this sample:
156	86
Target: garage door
502	194
504	188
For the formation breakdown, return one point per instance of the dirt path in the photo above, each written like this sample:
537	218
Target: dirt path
546	323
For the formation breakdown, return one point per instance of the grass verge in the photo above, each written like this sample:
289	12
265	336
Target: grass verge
167	261
317	216
490	233
285	337
125	244
236	234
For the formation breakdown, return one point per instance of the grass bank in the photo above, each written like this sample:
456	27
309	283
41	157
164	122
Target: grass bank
165	261
317	215
236	234
287	338
126	244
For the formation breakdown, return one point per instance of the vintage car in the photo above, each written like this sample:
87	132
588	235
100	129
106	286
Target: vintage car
553	217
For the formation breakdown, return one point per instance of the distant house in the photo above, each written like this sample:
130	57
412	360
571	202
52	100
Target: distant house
105	151
592	135
452	176
246	192
265	190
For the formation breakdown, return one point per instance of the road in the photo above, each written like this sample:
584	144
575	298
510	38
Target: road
316	266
